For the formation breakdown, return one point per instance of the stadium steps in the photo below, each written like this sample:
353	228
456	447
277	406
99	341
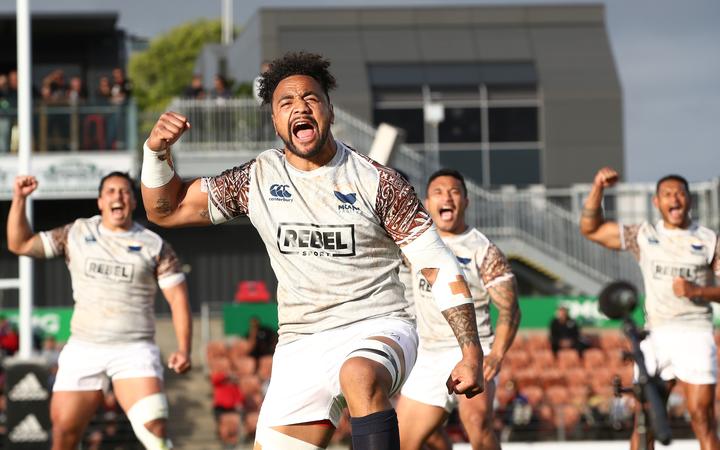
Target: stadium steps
191	424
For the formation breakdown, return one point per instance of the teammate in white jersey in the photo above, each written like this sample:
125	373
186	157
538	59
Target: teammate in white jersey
116	266
679	260
423	405
332	221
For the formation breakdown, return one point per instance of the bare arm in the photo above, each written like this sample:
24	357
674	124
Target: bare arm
592	223
20	236
168	200
177	298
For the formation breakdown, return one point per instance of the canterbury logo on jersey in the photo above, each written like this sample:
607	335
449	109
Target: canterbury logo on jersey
109	270
280	192
316	240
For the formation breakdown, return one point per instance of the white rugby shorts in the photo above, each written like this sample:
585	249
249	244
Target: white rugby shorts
427	381
305	383
688	354
86	366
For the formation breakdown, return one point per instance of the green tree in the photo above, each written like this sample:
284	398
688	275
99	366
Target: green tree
166	67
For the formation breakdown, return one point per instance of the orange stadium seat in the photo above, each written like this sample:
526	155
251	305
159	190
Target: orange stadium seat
527	377
567	417
557	395
517	359
552	376
220	364
568	358
534	394
250	385
538	342
543	359
594	358
577	376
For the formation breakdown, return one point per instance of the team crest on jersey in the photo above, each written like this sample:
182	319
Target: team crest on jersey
652	241
347	202
280	192
697	247
463	261
90	239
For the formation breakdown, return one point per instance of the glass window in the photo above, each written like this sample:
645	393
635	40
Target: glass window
461	125
513	124
409	120
518	167
468	162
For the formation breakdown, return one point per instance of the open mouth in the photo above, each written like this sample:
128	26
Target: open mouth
676	212
117	210
304	130
446	213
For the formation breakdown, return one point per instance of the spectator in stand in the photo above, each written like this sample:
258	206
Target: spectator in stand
54	89
76	92
121	87
228	402
261	338
221	89
104	91
195	89
564	332
12	91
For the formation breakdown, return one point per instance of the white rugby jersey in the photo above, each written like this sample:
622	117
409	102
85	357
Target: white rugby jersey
114	278
483	265
332	235
665	254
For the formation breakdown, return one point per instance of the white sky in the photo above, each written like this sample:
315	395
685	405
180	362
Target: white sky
667	54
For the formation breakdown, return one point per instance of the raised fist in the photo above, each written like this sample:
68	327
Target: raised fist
24	185
167	130
606	177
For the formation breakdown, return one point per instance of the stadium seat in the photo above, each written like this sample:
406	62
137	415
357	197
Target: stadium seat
577	376
534	395
517	359
543	359
252	291
538	342
250	385
557	395
568	358
552	376
594	358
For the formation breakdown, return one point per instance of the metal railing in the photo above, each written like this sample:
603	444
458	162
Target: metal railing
73	127
546	219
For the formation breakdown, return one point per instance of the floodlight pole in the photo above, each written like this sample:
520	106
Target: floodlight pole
24	154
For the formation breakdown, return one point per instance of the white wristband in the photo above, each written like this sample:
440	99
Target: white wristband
157	168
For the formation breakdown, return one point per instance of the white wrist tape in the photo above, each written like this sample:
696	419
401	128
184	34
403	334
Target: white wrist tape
428	251
157	168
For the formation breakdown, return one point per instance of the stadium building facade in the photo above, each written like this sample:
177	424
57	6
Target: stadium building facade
530	94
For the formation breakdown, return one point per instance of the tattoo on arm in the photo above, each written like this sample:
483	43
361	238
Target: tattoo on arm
463	323
204	213
504	296
162	206
592	213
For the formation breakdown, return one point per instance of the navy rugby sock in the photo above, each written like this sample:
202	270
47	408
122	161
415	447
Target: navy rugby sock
377	431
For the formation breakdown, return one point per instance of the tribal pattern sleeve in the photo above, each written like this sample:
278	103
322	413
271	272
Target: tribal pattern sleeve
399	208
55	241
629	239
228	192
168	263
494	267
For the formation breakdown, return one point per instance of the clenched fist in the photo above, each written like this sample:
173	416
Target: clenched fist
466	378
168	129
606	177
24	185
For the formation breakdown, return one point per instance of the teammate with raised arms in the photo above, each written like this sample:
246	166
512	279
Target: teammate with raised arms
116	266
679	261
423	406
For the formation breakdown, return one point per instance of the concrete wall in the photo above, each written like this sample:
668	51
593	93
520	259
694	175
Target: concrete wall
581	121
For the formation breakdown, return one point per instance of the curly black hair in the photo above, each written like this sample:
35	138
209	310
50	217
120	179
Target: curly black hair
296	63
